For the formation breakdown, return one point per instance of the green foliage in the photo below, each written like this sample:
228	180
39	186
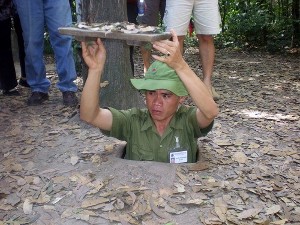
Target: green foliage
47	45
254	24
266	25
249	27
73	10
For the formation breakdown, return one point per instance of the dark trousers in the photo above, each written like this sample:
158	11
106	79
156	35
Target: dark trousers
8	78
18	30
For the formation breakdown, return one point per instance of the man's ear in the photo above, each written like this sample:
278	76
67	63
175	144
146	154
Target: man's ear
182	99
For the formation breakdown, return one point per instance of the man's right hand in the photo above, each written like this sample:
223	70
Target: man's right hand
94	54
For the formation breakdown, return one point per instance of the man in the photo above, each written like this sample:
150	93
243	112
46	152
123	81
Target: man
154	133
207	21
34	16
8	78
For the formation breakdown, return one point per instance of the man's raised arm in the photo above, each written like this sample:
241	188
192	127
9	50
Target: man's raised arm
94	55
207	108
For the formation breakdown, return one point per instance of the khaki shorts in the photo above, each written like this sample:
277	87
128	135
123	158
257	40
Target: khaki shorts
206	15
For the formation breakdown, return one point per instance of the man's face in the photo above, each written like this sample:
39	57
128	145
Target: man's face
162	104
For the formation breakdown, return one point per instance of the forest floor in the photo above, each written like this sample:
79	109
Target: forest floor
55	169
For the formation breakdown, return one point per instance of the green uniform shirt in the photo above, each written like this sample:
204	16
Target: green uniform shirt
136	127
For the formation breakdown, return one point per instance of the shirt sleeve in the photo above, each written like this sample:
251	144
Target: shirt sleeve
120	124
206	130
192	118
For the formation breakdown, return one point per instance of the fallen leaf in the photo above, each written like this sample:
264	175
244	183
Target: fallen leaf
165	192
104	84
157	211
108	207
249	213
194	201
199	166
183	178
240	157
92	202
224	142
119	204
141	206
175	209
220	208
279	222
6	207
27	207
273	209
74	160
180	187
13	199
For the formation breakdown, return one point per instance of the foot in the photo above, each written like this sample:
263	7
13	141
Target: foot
211	89
69	98
11	92
37	98
23	82
215	95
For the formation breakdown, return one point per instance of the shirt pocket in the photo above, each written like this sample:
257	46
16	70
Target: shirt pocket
142	152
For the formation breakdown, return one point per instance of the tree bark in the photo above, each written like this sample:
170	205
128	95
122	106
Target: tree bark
119	93
296	23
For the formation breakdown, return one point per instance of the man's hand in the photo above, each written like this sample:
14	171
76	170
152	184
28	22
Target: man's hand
207	108
171	50
94	54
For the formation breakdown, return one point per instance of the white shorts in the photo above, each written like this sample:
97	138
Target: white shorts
206	14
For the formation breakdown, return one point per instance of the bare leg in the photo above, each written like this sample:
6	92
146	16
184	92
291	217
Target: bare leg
181	40
207	57
146	55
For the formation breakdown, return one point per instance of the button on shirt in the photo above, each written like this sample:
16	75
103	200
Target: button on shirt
136	127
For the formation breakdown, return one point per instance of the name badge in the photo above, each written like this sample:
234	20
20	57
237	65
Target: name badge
178	157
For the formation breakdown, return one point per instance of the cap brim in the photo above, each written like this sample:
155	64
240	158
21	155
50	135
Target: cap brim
148	84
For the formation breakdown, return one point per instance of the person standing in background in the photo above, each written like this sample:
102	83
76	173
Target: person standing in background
8	79
153	14
207	22
34	16
19	32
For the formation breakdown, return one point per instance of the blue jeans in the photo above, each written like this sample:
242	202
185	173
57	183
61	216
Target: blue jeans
34	16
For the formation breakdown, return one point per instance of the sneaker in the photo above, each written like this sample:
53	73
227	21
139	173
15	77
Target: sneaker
37	98
23	82
69	98
11	92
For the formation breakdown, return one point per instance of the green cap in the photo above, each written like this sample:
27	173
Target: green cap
160	76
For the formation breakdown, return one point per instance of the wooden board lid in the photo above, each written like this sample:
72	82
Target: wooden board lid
81	34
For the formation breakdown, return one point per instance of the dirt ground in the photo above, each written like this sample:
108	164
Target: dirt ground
55	169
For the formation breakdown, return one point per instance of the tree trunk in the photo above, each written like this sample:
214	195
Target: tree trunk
296	23
119	93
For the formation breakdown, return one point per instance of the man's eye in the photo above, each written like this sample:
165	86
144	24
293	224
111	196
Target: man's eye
166	96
